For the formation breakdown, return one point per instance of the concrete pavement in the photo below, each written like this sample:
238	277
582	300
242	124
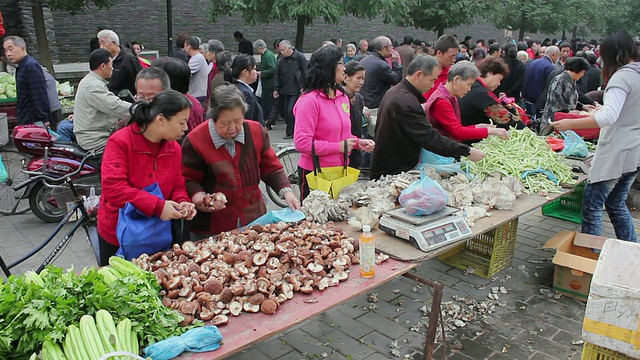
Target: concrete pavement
528	321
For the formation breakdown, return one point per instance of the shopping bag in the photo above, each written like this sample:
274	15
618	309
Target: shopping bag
574	145
138	233
423	197
331	179
259	88
200	339
275	216
4	175
438	162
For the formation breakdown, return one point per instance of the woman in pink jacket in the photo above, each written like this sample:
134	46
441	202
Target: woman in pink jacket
322	116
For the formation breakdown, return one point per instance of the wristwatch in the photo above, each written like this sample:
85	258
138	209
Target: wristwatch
283	191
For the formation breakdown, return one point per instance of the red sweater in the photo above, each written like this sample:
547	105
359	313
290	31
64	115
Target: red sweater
208	169
131	163
442	79
443	111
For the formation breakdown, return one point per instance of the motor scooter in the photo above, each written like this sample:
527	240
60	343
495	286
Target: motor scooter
55	159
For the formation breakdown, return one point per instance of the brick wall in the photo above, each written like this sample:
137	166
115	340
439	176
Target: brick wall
145	21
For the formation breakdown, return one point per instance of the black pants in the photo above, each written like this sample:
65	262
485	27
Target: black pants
304	186
107	250
288	102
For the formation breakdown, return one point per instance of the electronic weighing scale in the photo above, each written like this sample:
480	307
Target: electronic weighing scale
429	232
581	164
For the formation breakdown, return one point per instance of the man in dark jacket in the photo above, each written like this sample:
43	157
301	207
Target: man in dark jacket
288	82
402	129
379	76
535	77
125	66
179	52
244	45
31	86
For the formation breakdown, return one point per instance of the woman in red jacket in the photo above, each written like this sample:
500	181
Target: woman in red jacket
139	155
230	155
443	110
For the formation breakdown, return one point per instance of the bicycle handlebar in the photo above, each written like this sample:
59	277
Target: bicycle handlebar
58	180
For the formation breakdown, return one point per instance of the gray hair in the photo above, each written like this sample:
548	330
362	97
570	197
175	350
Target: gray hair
16	40
351	46
215	46
204	48
226	97
286	43
552	50
110	35
362	42
522	54
152	73
423	62
378	43
464	69
259	44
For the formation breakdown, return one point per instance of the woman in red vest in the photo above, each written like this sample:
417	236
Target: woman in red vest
230	155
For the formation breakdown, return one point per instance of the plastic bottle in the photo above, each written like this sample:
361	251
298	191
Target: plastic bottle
367	253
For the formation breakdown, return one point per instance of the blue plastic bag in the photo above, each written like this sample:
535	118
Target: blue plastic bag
438	162
574	145
4	175
423	197
138	233
274	216
202	339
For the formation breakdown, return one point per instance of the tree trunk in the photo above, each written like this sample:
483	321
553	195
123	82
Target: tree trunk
301	23
523	26
440	33
41	36
574	32
564	35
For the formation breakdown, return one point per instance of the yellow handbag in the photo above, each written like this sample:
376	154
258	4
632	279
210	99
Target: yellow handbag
331	179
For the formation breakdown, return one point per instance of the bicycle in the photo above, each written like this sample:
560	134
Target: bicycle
12	201
86	219
288	156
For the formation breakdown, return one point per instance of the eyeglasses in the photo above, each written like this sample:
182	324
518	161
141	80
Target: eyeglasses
340	63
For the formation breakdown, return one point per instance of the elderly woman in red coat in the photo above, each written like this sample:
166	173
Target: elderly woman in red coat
230	155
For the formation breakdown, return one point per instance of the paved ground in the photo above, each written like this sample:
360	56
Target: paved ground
531	324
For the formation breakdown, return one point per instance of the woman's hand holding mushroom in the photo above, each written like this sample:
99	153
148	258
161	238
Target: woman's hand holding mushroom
170	211
188	210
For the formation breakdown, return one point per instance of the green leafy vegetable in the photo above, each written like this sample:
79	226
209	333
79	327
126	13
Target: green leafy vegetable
31	313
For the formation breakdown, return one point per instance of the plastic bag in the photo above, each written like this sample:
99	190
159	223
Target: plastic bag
4	175
202	339
574	145
275	216
423	197
438	162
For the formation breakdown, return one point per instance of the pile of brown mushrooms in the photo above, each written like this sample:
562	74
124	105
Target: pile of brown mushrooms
252	270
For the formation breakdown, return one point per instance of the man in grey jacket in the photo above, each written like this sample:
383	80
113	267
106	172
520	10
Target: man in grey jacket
97	110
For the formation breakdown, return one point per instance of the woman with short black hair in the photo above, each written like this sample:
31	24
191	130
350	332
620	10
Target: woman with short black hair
563	92
353	80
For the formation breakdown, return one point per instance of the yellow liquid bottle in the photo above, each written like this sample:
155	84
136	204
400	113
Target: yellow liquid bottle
367	253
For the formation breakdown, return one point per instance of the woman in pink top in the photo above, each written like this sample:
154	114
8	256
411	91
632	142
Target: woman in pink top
322	116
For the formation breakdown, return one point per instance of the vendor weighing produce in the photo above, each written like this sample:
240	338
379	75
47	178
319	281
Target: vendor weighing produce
402	129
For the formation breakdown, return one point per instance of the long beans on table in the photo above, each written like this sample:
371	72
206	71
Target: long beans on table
521	152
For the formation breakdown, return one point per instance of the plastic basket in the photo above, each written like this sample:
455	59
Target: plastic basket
567	207
595	352
488	253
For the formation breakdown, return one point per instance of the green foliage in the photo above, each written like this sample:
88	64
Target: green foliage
76	6
436	15
618	14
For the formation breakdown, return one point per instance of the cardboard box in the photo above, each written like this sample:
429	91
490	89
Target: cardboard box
575	262
612	317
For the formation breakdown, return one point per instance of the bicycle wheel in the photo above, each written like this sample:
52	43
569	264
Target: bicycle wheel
289	159
13	202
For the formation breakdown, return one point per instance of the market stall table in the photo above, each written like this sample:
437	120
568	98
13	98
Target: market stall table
248	329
